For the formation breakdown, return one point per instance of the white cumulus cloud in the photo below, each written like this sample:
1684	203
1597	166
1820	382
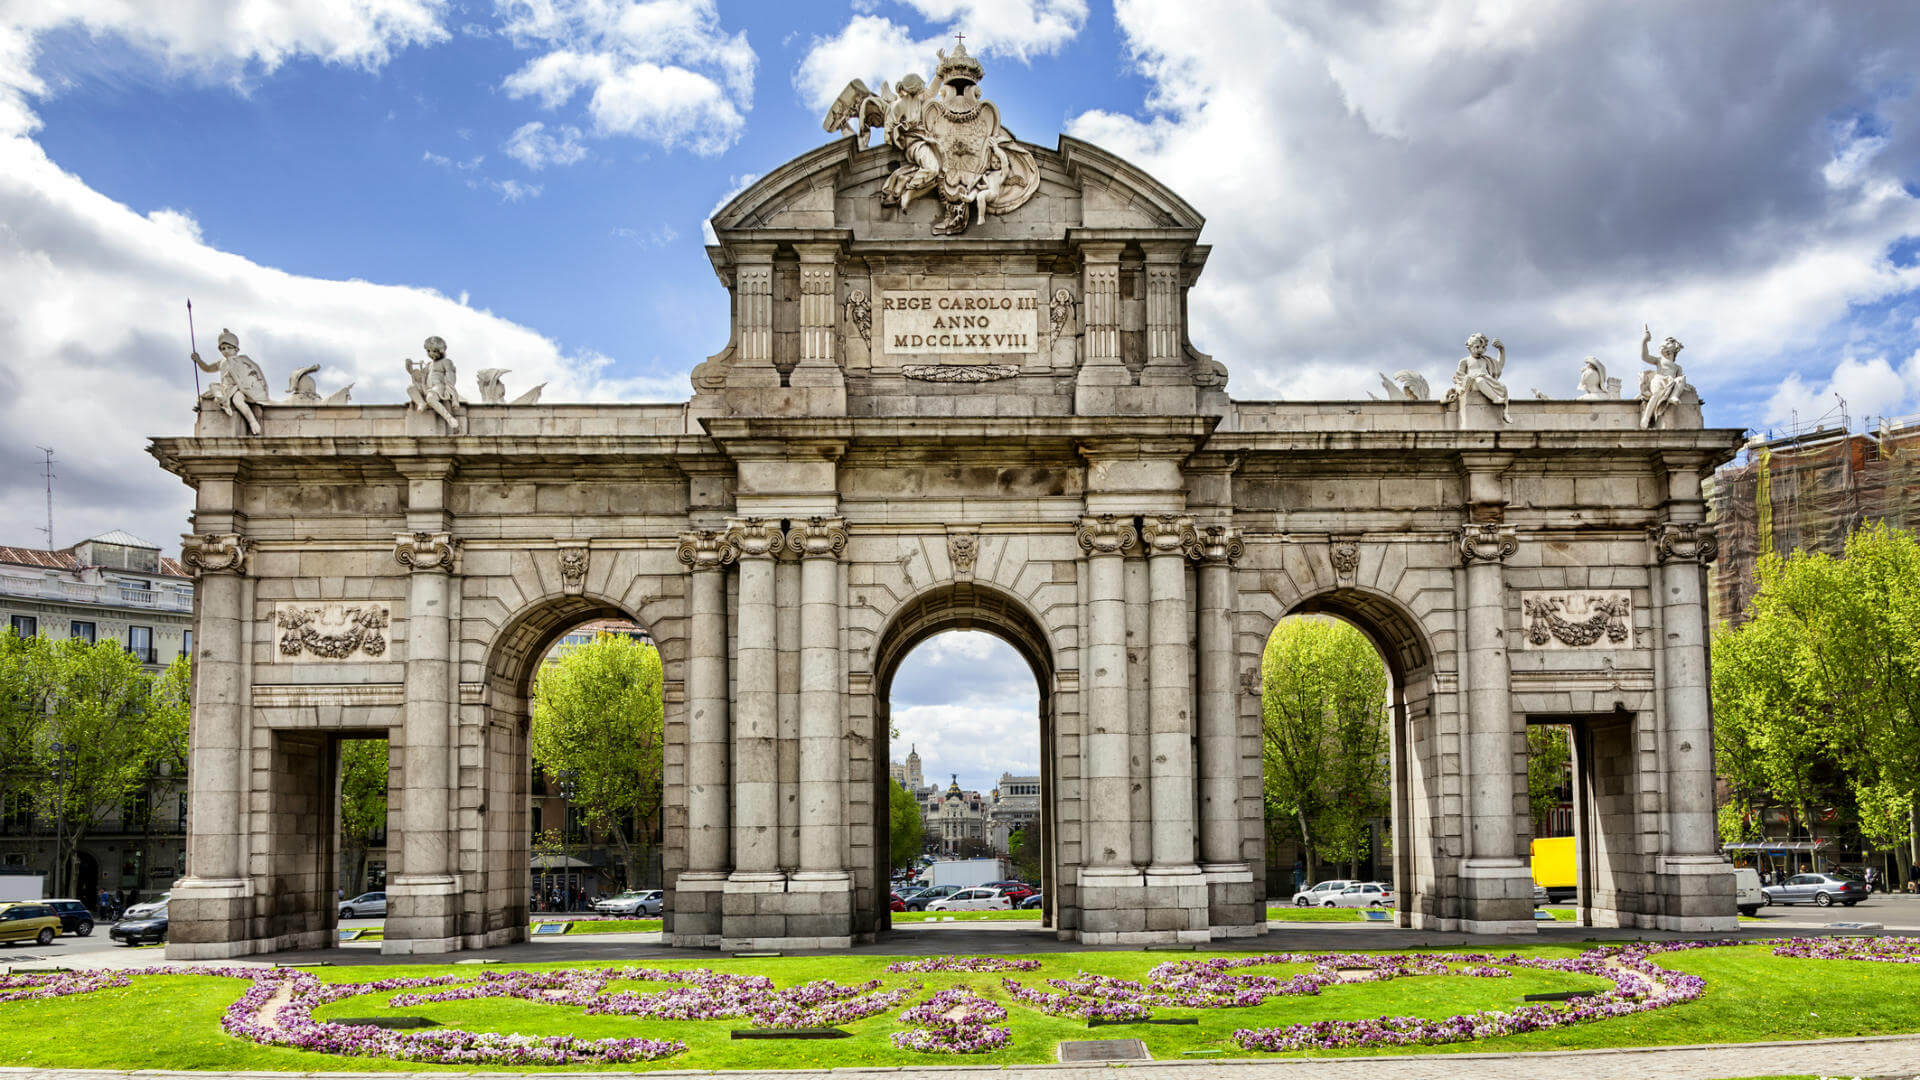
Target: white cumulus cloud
536	148
873	47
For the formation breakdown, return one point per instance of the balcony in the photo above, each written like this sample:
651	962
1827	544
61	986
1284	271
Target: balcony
108	594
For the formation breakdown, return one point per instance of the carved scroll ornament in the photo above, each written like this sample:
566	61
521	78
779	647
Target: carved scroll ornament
420	551
1578	619
214	553
1683	541
1487	543
1106	534
1167	534
707	550
959	373
1216	544
332	631
818	537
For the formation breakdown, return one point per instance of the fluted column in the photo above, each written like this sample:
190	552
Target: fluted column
431	559
1106	539
1681	553
707	555
1214	551
1169	695
756	816
819	543
217	775
1489	720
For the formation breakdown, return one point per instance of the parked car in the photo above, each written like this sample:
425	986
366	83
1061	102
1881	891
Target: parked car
142	928
28	921
1540	895
1016	890
365	905
1318	895
1364	894
632	902
1034	901
75	919
1748	895
147	908
980	899
919	901
895	903
1821	890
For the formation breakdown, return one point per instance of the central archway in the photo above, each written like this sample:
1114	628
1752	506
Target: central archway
966	606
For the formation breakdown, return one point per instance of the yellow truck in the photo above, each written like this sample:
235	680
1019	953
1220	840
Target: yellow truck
1553	867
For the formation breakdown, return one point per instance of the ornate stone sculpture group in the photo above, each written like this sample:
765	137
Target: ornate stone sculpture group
241	387
1478	373
951	139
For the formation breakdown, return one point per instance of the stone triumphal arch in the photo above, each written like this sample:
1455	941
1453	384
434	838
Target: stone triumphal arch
958	391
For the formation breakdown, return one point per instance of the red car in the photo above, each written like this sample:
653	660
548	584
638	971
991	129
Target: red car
1016	891
898	904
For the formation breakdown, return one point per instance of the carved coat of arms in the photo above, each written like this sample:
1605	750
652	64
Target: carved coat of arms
954	146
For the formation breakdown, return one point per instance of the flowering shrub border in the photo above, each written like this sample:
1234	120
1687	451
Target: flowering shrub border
277	1008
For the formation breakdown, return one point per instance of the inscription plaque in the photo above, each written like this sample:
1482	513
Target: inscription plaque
959	322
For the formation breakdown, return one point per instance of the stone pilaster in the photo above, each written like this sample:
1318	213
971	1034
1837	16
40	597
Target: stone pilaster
1176	891
753	319
819	542
1112	891
1166	362
1496	885
1100	318
819	321
210	904
696	908
423	897
756	715
1696	889
1235	906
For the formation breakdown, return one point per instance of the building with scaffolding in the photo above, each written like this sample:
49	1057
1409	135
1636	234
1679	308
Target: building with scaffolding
1808	491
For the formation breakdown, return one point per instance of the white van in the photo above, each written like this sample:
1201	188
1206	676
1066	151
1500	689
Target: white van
1746	890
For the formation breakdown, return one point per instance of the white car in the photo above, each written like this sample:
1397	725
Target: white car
152	907
1364	894
1746	888
1320	893
631	902
973	900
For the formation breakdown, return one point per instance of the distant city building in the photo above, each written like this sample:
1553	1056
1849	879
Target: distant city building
956	815
1015	805
909	776
112	587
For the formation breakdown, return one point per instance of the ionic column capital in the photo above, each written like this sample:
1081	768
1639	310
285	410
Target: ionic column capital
756	538
1216	545
436	552
1683	541
705	549
1105	534
1487	542
215	553
1167	534
818	537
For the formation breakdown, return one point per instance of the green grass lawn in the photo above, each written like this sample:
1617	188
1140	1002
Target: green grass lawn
1017	915
172	1022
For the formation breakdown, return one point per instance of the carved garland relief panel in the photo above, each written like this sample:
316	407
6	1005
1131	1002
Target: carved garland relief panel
310	632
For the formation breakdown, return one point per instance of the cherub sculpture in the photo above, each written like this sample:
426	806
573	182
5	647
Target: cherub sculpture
1665	384
432	384
1479	373
302	391
241	387
1594	384
1406	385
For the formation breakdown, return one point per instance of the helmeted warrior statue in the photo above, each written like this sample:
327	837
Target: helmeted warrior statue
301	389
954	146
241	386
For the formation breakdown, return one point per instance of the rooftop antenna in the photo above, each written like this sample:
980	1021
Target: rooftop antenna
47	470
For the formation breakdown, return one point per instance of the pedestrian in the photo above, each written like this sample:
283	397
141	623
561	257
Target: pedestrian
1873	877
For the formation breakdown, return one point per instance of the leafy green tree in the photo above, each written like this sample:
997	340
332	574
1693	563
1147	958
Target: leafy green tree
1023	852
597	720
92	750
1324	711
906	831
363	801
1549	750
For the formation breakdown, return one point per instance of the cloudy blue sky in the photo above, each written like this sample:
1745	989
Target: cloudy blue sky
530	179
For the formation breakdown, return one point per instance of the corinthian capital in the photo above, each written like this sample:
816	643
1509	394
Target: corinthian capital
214	553
1106	534
1683	541
817	537
1216	544
1166	534
1487	543
705	549
756	538
427	551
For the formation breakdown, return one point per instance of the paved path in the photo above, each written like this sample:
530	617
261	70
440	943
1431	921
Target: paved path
1885	1056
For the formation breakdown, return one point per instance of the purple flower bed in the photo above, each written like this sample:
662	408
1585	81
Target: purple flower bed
956	1021
706	995
1885	950
961	963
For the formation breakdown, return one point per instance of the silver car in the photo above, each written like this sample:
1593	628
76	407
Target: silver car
632	902
364	906
1321	893
1821	890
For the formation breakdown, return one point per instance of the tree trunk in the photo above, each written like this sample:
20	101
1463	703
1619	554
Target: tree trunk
1306	846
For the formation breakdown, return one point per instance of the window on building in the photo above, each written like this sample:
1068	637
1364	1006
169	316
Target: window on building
186	644
82	630
140	643
25	626
536	821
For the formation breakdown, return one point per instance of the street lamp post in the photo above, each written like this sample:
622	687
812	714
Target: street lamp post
568	785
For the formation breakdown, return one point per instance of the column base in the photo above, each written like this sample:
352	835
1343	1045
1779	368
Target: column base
423	915
764	911
693	915
1236	907
211	918
1694	893
1496	897
1122	906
